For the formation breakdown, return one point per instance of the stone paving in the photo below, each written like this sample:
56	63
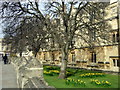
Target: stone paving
7	76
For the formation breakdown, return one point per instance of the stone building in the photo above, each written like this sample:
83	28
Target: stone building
102	57
1	52
3	47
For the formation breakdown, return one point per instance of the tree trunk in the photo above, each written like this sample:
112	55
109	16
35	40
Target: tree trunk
62	74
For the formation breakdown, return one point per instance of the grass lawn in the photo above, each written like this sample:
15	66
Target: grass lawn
75	74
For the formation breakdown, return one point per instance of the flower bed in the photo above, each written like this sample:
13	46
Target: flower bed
104	80
92	75
51	72
50	68
74	82
100	83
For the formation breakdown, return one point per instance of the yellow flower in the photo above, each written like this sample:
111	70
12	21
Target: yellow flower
81	81
98	82
55	71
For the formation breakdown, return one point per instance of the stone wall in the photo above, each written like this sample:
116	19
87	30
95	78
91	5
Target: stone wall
29	73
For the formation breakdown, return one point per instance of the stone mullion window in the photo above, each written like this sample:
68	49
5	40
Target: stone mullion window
73	57
116	62
93	59
115	37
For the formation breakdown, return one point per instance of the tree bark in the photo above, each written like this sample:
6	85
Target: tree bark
62	74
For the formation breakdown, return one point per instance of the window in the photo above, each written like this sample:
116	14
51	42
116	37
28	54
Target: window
73	57
115	38
116	62
93	57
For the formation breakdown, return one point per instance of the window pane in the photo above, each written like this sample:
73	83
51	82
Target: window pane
113	38
94	57
117	37
114	62
118	63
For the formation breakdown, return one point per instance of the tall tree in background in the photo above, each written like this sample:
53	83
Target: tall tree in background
14	36
23	28
36	35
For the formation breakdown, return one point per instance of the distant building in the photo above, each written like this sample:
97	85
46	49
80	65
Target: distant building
3	47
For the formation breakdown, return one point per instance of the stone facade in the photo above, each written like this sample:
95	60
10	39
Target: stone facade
102	59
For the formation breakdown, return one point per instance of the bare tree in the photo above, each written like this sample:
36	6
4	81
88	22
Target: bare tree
23	27
36	35
76	19
15	37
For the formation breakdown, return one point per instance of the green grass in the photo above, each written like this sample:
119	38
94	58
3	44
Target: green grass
60	83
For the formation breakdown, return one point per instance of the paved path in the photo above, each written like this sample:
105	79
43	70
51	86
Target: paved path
7	76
